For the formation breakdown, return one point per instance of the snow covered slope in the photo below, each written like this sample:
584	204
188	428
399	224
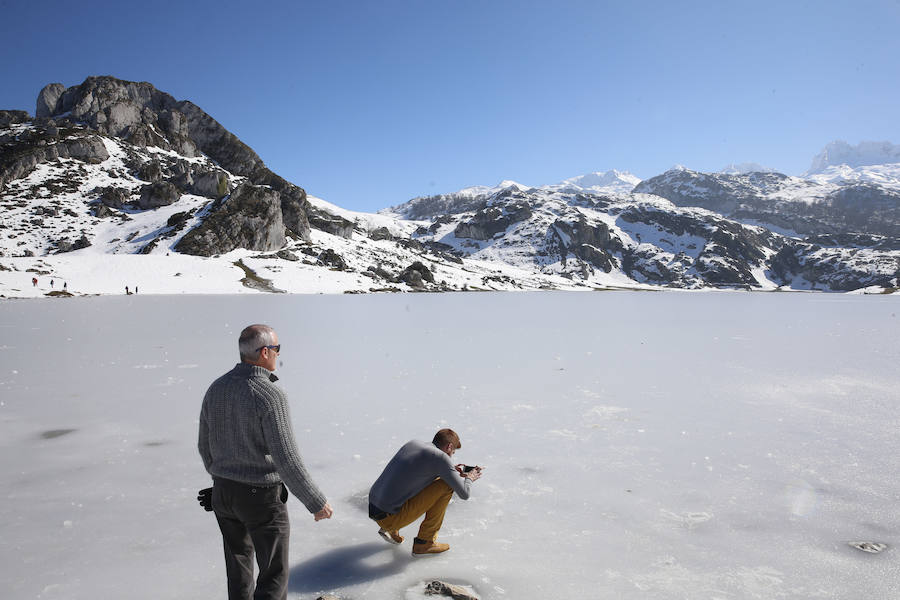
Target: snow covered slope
118	184
840	200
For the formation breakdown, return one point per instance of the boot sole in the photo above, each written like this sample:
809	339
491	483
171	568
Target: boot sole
387	537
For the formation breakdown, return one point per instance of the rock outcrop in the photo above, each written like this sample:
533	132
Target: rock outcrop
159	193
249	218
416	275
492	220
142	115
19	155
767	198
12	117
329	223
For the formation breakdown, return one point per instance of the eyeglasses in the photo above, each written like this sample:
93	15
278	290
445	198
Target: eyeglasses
275	348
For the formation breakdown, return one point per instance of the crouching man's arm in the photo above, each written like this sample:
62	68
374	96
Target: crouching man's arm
451	476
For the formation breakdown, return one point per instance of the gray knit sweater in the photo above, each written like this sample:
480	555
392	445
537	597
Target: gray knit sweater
415	465
246	434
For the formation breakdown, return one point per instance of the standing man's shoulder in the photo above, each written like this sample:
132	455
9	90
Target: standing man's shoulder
250	379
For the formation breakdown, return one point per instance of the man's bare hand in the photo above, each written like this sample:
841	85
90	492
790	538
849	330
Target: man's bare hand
325	513
471	475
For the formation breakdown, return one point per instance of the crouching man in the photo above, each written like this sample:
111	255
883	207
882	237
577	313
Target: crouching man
420	479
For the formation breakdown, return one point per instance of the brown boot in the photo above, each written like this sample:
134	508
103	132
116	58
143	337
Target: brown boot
426	548
392	537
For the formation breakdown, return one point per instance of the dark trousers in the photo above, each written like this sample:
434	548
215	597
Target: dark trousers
253	519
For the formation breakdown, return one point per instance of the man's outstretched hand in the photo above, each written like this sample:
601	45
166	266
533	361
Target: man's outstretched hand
471	475
204	497
325	513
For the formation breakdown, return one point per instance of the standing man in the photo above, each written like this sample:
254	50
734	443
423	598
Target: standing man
247	445
420	479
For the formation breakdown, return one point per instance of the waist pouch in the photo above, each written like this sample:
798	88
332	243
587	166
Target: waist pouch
250	488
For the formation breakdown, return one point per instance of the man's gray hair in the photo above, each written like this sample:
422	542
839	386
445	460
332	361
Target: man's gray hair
252	339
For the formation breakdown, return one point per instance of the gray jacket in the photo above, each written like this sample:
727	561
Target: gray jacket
246	434
415	466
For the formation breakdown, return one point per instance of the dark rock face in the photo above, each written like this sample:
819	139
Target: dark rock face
178	218
101	211
113	197
416	275
727	257
66	245
11	117
160	193
150	171
488	222
330	223
218	143
332	259
859	208
833	267
47	143
427	207
287	255
210	184
866	208
591	242
48	99
249	218
379	271
142	115
713	191
135	112
381	233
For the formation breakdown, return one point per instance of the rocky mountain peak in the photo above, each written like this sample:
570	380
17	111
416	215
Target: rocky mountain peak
744	168
204	159
134	111
612	181
865	153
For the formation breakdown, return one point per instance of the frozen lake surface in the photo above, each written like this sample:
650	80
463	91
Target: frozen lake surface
637	445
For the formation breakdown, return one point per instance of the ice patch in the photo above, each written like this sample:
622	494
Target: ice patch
688	519
605	412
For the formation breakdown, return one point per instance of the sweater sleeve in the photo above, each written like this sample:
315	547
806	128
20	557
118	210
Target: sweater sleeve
460	485
203	437
279	436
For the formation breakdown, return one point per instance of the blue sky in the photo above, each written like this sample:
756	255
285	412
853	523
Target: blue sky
368	104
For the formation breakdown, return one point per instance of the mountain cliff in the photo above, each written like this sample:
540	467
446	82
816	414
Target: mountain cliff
112	167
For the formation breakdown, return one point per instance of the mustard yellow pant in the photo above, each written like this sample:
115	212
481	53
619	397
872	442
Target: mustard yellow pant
431	501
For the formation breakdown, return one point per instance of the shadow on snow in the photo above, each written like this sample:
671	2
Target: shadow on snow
347	566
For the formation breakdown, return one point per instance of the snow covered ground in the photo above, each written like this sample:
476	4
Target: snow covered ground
636	445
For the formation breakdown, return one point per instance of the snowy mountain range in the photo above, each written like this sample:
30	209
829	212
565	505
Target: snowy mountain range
119	174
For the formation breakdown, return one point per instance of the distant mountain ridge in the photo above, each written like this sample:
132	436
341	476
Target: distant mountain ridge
840	153
118	167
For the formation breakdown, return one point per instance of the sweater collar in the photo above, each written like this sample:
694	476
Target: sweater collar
247	370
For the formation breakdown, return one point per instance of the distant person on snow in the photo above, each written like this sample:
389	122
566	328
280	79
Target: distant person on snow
420	479
247	445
